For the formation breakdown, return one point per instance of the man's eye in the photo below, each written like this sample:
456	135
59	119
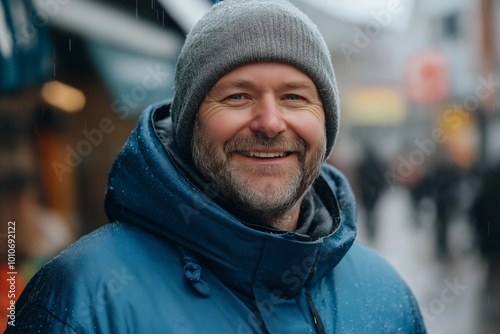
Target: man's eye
294	97
235	97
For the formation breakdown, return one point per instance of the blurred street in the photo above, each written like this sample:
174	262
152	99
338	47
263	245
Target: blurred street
471	305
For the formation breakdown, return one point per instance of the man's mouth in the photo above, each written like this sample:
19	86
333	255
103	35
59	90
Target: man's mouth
264	155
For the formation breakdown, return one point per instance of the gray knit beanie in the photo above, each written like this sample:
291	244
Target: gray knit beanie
238	32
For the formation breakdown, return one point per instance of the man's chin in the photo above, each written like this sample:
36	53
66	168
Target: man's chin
267	196
267	187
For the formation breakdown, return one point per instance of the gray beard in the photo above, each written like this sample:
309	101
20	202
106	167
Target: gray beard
272	203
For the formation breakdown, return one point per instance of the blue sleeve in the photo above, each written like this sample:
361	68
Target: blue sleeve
37	319
418	321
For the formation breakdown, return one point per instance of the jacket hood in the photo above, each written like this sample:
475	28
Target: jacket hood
147	190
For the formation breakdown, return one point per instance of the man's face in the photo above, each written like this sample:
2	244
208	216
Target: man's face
260	137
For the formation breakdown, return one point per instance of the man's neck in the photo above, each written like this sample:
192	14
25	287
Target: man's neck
288	221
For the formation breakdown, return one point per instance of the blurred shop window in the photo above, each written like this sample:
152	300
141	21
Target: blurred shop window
25	46
43	227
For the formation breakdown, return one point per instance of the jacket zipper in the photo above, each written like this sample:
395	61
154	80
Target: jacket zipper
318	324
320	328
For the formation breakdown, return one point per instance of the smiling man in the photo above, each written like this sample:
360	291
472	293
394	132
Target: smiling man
223	216
260	138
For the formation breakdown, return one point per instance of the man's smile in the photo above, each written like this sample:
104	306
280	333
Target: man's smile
264	154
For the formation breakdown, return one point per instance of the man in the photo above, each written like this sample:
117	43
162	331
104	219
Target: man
223	219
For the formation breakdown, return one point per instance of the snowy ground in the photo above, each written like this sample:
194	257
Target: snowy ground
453	295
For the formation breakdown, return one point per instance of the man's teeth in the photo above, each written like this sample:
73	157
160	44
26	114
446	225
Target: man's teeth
266	154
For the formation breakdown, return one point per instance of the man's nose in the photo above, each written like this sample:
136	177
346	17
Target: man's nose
268	118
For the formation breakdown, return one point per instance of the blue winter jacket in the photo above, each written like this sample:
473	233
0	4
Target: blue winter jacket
173	261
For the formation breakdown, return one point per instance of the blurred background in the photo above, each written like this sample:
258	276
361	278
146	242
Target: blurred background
419	139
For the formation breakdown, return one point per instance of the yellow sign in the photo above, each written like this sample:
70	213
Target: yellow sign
376	106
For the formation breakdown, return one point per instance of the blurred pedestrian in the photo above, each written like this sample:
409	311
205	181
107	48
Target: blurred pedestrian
371	184
486	213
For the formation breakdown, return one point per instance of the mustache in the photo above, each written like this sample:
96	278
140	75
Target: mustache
255	143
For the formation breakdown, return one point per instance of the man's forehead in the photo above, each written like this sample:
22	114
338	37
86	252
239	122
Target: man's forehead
243	83
247	76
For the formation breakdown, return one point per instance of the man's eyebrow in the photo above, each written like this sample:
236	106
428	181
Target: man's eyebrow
311	88
299	85
233	84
